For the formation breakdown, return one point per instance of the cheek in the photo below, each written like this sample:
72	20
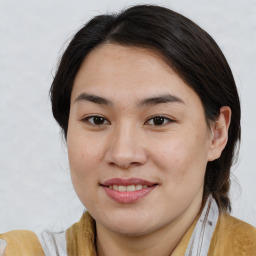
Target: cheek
183	164
84	162
183	158
84	155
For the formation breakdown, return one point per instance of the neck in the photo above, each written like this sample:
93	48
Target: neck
160	242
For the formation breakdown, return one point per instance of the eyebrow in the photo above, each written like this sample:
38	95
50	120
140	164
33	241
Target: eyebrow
93	98
165	98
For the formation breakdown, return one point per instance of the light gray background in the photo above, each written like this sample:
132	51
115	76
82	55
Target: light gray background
35	187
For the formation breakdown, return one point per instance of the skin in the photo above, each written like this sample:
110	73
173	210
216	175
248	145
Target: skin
128	143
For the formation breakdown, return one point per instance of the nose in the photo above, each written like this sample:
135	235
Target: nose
126	148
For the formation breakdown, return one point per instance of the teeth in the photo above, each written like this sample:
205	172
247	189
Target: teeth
127	188
130	188
138	187
122	188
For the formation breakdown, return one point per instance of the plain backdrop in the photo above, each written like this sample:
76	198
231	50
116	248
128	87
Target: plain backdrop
35	188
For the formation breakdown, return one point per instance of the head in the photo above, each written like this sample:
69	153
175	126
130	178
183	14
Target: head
180	44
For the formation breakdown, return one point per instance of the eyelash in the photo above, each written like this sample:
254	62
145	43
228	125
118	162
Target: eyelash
87	120
160	118
167	120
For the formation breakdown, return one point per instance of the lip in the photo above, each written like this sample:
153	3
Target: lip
127	182
127	197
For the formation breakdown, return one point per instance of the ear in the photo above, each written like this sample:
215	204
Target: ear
219	136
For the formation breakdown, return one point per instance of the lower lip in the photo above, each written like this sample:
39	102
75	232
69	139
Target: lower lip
128	196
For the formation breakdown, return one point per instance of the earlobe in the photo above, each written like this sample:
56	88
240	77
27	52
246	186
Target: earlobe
219	133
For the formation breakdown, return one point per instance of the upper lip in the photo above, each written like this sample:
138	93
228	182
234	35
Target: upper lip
127	182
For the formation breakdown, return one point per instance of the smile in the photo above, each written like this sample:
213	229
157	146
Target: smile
126	191
127	188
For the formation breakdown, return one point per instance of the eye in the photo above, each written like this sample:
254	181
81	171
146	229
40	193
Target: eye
159	120
95	120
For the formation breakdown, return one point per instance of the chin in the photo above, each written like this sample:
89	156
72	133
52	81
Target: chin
131	229
131	224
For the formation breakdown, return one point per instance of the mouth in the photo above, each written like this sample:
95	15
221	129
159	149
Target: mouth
127	190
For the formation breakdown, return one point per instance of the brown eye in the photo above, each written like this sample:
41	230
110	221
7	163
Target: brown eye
159	120
96	120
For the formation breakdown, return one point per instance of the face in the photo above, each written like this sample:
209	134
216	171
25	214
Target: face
137	139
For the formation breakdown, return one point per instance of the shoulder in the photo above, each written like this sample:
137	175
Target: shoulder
15	242
236	229
81	236
233	237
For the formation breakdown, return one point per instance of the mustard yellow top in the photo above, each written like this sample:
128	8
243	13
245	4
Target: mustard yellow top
231	237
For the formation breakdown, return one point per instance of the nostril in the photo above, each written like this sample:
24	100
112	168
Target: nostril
124	164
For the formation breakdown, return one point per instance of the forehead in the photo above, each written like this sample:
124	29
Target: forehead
122	72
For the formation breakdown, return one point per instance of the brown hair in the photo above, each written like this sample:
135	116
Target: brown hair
187	48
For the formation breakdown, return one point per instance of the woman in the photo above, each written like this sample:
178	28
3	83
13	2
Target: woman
151	115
